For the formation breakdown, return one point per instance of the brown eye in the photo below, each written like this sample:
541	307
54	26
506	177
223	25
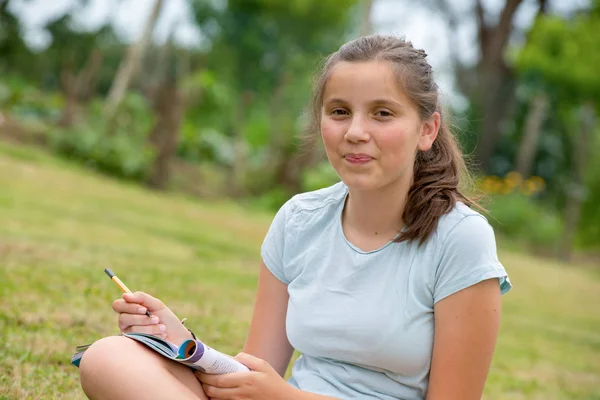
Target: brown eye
339	112
383	113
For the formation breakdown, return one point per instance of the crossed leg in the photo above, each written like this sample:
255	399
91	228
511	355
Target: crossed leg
120	368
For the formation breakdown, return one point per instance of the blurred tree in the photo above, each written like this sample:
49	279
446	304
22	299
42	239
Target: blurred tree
130	66
490	83
168	110
571	69
262	48
14	53
72	62
74	59
532	132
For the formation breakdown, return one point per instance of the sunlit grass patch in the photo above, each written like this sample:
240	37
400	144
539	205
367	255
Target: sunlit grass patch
61	225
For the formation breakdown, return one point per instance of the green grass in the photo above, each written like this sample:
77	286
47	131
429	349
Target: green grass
61	225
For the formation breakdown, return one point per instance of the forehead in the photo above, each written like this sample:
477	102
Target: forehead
366	81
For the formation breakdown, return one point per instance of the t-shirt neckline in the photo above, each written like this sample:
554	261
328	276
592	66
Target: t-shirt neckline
350	244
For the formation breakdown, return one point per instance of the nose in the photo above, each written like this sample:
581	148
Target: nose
357	131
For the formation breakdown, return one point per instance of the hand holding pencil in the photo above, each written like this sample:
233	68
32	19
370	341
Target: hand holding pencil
121	285
140	312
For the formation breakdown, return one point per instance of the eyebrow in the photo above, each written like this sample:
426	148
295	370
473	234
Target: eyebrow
372	102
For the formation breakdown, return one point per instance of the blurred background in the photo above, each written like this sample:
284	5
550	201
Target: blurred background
141	133
206	97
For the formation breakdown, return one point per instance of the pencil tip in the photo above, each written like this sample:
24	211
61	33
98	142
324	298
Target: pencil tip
109	272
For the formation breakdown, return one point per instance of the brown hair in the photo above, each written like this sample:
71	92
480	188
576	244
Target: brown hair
439	171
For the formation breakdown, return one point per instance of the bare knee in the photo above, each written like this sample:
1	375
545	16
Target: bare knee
117	367
104	360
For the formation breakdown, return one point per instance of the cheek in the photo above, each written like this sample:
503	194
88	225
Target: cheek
398	141
329	134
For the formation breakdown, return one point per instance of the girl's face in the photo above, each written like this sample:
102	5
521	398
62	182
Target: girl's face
370	128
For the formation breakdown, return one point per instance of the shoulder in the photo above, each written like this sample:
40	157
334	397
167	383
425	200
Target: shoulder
461	221
466	253
317	200
462	231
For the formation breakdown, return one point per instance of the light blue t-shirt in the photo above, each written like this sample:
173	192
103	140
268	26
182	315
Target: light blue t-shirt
363	321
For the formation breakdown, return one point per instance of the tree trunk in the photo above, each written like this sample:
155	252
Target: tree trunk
237	177
69	89
531	137
577	191
495	86
77	89
130	65
497	91
490	86
165	133
280	135
88	76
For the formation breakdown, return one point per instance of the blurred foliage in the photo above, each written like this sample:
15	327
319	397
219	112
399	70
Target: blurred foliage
28	102
559	50
513	182
14	53
125	154
521	219
589	227
321	176
246	87
558	60
516	212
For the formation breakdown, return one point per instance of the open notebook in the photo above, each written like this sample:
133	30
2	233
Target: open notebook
192	353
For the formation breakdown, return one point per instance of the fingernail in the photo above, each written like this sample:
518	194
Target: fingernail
154	320
162	328
141	310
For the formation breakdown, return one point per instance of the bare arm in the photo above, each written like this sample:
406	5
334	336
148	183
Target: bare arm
466	329
267	338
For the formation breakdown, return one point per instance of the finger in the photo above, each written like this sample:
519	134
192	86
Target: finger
152	303
121	306
156	330
254	363
126	320
215	393
231	380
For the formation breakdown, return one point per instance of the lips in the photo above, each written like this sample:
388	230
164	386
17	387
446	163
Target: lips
358	158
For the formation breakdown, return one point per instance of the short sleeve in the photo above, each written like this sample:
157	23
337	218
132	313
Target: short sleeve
468	256
272	249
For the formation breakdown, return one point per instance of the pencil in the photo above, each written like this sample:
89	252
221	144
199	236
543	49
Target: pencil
120	284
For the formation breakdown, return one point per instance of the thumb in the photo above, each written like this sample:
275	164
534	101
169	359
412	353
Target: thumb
254	363
151	303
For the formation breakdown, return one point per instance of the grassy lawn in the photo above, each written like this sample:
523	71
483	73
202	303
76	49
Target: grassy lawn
60	226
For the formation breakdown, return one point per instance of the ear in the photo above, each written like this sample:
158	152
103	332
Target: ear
429	131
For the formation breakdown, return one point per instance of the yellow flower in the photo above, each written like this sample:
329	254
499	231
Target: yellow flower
491	184
513	178
528	188
538	183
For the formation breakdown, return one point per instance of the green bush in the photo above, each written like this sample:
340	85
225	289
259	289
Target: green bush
124	152
588	234
271	200
318	177
28	102
522	218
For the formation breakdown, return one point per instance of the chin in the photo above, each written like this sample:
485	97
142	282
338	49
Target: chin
369	182
364	182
